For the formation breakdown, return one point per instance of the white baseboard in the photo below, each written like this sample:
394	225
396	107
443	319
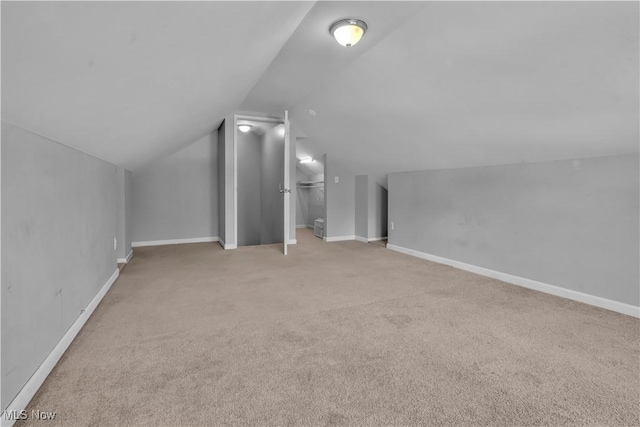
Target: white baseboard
226	246
292	242
605	303
302	226
126	259
338	238
174	241
27	392
369	239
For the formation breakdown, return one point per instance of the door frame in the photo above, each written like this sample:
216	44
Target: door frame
236	117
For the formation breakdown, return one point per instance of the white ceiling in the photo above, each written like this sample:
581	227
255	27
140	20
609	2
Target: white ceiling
474	83
431	85
131	81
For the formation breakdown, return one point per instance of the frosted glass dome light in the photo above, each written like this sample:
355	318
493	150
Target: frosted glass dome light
348	32
244	128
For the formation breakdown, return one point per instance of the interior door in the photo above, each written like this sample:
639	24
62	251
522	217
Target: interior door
287	184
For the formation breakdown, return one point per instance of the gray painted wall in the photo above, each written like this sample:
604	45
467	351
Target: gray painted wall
221	182
128	211
124	212
340	199
177	196
249	188
58	226
272	202
572	224
361	207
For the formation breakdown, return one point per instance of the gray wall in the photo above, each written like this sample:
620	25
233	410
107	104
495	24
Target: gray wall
58	226
340	199
128	211
572	224
177	196
124	212
221	182
361	207
249	188
272	203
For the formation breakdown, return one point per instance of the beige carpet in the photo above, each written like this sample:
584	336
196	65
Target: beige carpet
342	333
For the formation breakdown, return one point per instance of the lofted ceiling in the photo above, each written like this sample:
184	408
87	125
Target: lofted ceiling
129	82
476	83
431	85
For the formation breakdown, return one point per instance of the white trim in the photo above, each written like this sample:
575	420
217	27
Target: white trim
302	226
369	239
338	238
226	246
292	242
605	303
25	395
235	179
174	241
126	259
287	184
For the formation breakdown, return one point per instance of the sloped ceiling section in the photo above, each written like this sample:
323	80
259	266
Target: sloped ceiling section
431	85
460	84
128	82
311	57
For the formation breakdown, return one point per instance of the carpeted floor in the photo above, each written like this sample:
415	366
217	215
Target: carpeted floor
343	333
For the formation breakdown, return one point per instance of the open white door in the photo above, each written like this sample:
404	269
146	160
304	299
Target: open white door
287	183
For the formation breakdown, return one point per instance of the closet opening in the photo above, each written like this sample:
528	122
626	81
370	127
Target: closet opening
260	145
310	197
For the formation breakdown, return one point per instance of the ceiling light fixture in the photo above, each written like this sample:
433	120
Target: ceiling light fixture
306	160
348	32
244	128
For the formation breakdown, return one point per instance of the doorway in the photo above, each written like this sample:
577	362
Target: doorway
260	148
310	195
